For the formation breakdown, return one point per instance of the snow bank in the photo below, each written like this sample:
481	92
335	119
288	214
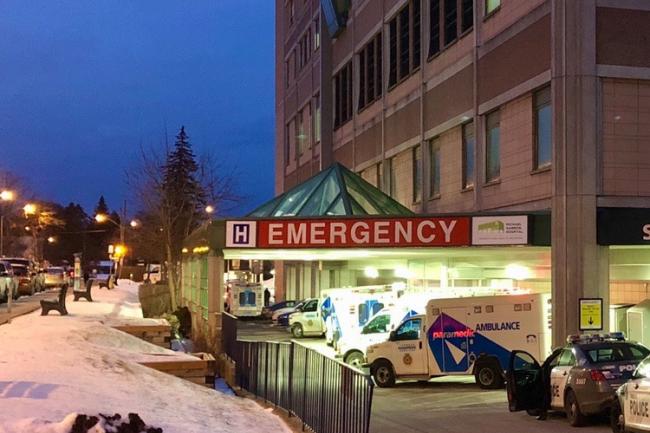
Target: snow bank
52	367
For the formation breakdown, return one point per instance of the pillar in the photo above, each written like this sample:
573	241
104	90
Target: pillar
580	267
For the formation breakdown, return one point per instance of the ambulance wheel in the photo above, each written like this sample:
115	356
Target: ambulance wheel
297	331
355	359
382	372
574	415
617	420
488	376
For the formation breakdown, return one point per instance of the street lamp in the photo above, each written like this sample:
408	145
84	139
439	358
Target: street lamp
29	209
51	239
5	195
209	209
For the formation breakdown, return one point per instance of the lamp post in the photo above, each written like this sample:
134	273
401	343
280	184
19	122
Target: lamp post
5	195
120	250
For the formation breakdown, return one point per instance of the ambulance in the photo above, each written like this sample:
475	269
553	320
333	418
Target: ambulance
245	299
464	336
340	310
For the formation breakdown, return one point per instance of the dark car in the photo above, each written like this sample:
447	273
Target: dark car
268	311
580	379
283	319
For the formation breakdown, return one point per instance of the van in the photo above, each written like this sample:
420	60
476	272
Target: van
464	336
245	299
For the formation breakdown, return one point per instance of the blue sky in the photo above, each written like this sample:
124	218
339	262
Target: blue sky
85	83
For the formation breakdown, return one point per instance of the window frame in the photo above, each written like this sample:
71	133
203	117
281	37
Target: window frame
343	95
491	177
413	66
434	149
461	6
537	107
370	80
468	182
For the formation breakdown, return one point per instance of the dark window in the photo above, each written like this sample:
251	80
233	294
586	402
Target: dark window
451	21
469	145
378	324
434	165
370	72
404	37
416	34
567	359
434	21
492	146
409	330
405	42
466	15
392	55
343	95
543	122
379	85
616	353
417	174
491	6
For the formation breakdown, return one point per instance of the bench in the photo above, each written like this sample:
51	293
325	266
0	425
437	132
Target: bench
106	283
78	294
58	305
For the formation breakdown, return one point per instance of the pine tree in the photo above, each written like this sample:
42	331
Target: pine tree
102	207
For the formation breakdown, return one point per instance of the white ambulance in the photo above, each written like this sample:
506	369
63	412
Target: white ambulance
466	336
245	299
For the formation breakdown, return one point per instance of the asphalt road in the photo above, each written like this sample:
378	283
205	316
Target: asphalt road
452	404
24	305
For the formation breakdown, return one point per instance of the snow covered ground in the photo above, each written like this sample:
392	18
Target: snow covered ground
52	366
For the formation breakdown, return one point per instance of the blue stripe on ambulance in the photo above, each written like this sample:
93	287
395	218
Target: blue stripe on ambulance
456	346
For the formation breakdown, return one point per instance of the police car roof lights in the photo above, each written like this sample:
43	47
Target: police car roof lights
592	338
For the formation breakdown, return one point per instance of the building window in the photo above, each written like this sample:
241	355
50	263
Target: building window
303	135
491	6
543	141
434	166
492	146
404	38
466	15
343	95
370	57
316	34
444	25
434	34
469	145
417	174
317	119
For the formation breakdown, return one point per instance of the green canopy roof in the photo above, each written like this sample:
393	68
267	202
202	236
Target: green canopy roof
335	191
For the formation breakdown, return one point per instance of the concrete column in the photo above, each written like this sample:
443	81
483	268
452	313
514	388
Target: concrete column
580	268
216	288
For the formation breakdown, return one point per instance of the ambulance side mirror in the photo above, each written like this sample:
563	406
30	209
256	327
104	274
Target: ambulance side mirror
391	336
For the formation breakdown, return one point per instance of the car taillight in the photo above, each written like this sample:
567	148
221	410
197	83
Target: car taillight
597	376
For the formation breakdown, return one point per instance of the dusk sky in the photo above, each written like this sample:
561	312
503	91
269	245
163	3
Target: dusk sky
84	83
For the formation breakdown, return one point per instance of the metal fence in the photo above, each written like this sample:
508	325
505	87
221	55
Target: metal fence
327	395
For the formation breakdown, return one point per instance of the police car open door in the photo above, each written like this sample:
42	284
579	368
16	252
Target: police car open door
524	382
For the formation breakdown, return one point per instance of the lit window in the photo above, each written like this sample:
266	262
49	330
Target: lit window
543	140
492	146
491	6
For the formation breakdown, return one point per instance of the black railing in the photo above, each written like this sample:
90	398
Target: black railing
228	334
327	395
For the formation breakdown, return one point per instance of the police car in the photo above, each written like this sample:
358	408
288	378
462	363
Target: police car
631	411
579	379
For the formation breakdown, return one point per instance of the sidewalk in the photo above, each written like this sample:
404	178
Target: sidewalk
25	305
52	366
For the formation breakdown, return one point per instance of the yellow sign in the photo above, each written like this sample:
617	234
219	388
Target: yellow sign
591	314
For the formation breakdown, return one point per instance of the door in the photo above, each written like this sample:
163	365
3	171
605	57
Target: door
312	322
524	384
410	356
636	398
455	347
559	376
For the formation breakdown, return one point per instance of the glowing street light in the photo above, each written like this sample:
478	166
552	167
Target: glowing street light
29	209
51	239
134	223
100	218
6	195
209	209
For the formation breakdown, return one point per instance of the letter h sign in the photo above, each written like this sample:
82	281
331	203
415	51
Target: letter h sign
241	234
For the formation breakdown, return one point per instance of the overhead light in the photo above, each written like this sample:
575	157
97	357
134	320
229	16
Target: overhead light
517	272
371	272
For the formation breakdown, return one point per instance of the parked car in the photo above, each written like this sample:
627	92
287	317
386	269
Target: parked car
631	410
8	282
284	312
579	379
31	280
267	312
55	276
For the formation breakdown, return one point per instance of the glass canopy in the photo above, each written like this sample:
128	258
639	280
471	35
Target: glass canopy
335	191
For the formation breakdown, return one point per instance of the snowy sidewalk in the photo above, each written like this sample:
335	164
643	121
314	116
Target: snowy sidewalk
51	366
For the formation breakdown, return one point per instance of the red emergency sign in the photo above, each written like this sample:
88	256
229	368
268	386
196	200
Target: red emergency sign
364	233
